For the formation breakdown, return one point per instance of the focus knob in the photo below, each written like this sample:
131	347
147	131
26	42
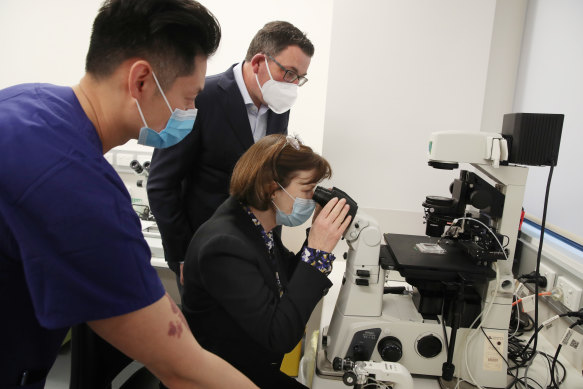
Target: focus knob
429	346
390	349
337	364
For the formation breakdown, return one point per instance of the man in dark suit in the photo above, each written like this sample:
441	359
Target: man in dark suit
188	182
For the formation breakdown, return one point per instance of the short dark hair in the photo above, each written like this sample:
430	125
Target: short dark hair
169	34
275	37
273	159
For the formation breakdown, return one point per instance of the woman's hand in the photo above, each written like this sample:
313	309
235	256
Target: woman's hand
329	225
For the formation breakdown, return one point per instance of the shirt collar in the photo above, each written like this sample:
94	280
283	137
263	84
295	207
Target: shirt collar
267	236
238	72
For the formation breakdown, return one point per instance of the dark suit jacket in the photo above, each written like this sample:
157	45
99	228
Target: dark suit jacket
188	181
231	299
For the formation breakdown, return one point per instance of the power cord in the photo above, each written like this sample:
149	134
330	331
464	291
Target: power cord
554	384
540	248
489	307
522	355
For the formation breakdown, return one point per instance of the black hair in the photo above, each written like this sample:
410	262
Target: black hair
169	34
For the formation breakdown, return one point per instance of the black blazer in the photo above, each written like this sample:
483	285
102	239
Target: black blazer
231	300
188	181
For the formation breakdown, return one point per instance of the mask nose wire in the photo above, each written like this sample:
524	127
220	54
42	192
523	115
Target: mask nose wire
161	91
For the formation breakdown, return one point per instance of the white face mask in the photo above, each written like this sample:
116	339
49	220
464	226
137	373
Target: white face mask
279	95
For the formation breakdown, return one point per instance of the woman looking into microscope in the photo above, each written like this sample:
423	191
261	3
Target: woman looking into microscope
246	297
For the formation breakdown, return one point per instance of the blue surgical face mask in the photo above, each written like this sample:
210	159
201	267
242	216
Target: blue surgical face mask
301	211
179	125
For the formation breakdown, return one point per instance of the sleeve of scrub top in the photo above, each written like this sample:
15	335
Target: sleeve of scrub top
229	271
82	249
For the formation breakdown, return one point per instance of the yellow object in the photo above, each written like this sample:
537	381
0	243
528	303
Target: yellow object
309	359
291	361
67	338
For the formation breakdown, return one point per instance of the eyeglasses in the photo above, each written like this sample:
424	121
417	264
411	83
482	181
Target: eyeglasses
294	141
289	75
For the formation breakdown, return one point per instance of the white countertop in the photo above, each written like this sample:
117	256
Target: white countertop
152	237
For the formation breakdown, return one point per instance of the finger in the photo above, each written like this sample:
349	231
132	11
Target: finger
337	209
346	223
317	211
331	204
342	214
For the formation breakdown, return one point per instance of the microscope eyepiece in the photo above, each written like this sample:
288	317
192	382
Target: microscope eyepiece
146	165
135	165
323	195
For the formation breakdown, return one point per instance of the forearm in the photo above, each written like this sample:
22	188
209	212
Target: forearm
159	337
210	372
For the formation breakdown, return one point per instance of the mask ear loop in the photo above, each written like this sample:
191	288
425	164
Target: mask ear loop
290	196
161	91
268	71
141	114
267	65
286	192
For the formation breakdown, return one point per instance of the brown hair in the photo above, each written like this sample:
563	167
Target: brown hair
275	37
273	159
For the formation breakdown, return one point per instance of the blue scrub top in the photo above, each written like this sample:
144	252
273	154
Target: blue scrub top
71	247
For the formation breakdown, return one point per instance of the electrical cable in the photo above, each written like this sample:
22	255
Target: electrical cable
538	255
487	311
578	314
515	353
554	384
479	326
518	288
489	307
540	294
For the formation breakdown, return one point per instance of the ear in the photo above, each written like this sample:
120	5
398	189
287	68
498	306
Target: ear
140	81
257	60
273	187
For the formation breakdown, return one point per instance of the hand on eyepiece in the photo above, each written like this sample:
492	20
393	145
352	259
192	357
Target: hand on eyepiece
329	225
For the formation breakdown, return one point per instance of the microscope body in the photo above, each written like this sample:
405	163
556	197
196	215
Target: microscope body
368	325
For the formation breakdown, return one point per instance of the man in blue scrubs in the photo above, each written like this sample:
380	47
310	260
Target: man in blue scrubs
71	248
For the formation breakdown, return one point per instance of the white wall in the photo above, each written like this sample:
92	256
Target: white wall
400	70
44	41
551	80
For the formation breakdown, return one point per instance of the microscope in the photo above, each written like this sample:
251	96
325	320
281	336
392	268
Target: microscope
455	322
139	203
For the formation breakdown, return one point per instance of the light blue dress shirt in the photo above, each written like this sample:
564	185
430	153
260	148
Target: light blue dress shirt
257	117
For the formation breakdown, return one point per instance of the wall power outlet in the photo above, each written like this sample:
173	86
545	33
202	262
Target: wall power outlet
550	274
571	293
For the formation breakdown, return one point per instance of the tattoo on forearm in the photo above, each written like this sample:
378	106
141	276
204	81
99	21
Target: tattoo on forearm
175	328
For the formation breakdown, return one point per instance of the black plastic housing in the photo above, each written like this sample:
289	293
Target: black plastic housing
533	138
323	195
